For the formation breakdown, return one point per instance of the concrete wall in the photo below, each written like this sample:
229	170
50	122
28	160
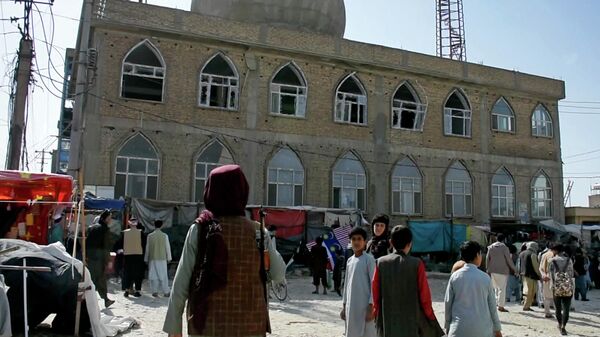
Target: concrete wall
188	40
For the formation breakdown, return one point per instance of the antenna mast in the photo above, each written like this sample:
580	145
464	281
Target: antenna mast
450	33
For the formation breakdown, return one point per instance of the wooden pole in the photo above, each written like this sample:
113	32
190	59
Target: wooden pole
81	289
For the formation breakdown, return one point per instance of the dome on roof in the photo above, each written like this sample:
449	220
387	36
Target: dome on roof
320	16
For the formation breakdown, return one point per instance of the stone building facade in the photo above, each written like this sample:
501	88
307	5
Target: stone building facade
310	118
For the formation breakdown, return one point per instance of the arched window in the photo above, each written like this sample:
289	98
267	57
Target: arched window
288	92
503	194
351	102
219	84
407	111
213	156
503	117
406	188
541	122
349	183
459	191
285	179
137	169
143	73
541	197
457	115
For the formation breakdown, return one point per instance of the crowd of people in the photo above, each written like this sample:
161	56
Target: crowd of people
222	274
135	250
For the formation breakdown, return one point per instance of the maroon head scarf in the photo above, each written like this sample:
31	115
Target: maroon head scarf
225	194
226	191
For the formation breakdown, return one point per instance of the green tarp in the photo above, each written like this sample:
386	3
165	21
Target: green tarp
437	236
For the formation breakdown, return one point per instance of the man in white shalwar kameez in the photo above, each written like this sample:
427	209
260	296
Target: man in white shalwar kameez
358	298
158	254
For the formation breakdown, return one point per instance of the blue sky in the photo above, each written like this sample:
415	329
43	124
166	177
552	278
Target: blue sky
553	38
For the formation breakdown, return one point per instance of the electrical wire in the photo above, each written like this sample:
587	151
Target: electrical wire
308	152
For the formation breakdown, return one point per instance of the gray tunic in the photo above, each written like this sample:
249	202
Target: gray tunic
471	304
358	295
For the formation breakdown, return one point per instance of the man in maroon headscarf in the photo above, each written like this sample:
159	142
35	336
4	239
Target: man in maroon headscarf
221	271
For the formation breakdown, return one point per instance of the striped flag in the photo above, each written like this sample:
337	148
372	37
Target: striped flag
341	234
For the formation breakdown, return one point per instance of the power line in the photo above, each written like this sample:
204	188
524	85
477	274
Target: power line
579	107
581	154
279	144
582	102
582	160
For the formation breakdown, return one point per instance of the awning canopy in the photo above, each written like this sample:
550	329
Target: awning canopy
25	186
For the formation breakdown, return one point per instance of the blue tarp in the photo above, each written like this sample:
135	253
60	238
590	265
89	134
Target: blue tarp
435	236
101	203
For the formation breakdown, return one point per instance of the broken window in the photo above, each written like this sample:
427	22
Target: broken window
143	73
285	178
137	170
351	102
219	84
407	111
457	116
288	92
214	155
541	122
349	183
503	117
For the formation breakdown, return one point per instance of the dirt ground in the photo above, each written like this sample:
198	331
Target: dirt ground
306	315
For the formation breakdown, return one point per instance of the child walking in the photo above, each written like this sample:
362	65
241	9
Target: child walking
158	253
358	299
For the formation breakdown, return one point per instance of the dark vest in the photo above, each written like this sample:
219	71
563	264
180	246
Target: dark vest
400	307
528	270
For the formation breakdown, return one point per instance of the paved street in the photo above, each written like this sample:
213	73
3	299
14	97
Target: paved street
308	315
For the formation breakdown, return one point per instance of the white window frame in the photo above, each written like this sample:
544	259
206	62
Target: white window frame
497	200
397	181
538	125
343	177
400	106
278	183
496	117
277	95
510	122
146	175
546	199
207	81
465	117
467	193
345	101
157	72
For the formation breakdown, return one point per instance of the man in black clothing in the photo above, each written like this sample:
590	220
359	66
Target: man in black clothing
319	262
530	271
581	268
98	251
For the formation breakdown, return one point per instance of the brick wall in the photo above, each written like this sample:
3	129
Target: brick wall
183	128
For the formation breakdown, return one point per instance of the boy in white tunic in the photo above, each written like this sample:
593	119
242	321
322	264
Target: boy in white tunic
158	254
358	299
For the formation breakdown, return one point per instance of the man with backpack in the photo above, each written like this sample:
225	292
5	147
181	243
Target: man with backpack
561	273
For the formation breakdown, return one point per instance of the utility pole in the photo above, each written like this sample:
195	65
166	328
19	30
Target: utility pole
76	163
77	126
23	76
22	79
43	152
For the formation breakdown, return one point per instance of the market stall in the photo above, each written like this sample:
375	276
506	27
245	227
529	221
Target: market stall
29	201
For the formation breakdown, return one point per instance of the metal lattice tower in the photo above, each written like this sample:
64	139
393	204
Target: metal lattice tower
450	34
